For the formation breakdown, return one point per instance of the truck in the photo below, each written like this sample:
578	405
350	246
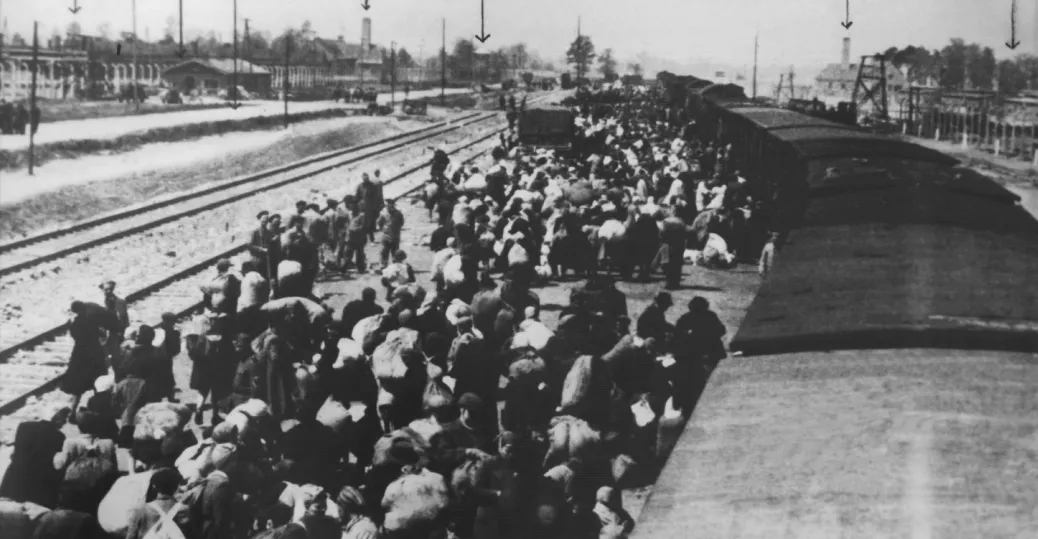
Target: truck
547	127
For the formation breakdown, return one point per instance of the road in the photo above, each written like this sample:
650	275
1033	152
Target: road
110	128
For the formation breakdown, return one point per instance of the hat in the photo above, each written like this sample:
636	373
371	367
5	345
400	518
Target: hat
471	402
458	313
223	264
664	297
169	317
507	438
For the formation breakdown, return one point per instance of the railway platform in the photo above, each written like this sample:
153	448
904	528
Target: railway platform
110	128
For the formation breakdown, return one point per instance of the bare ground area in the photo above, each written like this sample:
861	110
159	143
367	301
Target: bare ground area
72	190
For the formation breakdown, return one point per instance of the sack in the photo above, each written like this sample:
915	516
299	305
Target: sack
517	256
157	420
577	385
333	414
570	437
611	230
533	334
388	360
415	499
624	469
452	271
17	519
436	388
166	527
189	505
116	508
366	327
350	352
475	183
313	311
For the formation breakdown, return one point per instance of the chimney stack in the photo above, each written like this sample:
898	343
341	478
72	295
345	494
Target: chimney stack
365	33
846	56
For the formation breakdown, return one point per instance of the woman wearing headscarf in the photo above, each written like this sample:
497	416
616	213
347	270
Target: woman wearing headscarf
614	521
88	462
140	368
356	524
31	476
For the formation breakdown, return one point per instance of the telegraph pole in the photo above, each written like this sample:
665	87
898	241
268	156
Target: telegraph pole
443	67
248	43
32	94
755	48
136	88
392	75
284	83
234	76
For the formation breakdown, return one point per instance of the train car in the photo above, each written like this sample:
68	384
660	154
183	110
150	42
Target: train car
547	126
884	377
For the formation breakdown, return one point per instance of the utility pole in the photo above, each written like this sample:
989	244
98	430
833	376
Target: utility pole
234	47
392	75
136	88
284	83
792	87
248	43
443	66
755	49
32	95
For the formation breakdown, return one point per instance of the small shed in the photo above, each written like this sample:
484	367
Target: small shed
211	75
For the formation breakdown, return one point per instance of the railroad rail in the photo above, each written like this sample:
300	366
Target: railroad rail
44	247
33	367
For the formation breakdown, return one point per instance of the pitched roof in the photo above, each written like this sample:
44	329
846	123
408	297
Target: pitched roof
224	66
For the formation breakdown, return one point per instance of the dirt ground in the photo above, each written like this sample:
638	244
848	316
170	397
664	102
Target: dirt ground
71	190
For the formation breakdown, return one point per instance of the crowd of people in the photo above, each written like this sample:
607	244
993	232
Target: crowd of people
17	118
452	411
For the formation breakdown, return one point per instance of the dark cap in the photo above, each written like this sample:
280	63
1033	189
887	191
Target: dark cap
664	298
471	402
223	264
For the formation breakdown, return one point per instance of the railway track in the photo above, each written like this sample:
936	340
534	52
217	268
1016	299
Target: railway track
33	367
26	253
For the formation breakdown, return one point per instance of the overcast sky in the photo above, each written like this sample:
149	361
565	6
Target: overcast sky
801	32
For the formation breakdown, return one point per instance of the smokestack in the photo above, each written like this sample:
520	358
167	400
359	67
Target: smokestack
365	33
846	56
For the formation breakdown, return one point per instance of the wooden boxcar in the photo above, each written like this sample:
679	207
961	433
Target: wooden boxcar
547	126
886	371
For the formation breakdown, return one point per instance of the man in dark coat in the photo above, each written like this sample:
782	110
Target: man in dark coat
370	194
653	321
31	476
34	119
87	361
359	309
21	119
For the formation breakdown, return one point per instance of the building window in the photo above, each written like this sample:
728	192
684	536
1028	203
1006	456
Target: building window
830	85
843	85
211	84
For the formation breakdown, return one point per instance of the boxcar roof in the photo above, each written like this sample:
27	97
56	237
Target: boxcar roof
854	174
856	444
881	285
772	119
822	142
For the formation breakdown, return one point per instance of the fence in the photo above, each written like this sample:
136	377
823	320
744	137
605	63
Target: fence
1011	135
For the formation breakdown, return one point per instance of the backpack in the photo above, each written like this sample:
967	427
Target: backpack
166	527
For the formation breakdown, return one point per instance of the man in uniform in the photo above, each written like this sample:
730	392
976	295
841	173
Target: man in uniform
391	223
116	306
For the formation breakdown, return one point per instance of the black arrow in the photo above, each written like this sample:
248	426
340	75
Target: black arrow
181	51
366	5
847	21
1012	43
75	7
482	23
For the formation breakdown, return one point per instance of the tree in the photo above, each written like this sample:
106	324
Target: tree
528	78
18	41
607	65
967	64
636	69
1011	75
460	61
74	29
404	59
580	54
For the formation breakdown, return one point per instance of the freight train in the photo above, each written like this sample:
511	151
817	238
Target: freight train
883	381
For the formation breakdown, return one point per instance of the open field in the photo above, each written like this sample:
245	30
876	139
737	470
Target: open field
60	111
176	167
